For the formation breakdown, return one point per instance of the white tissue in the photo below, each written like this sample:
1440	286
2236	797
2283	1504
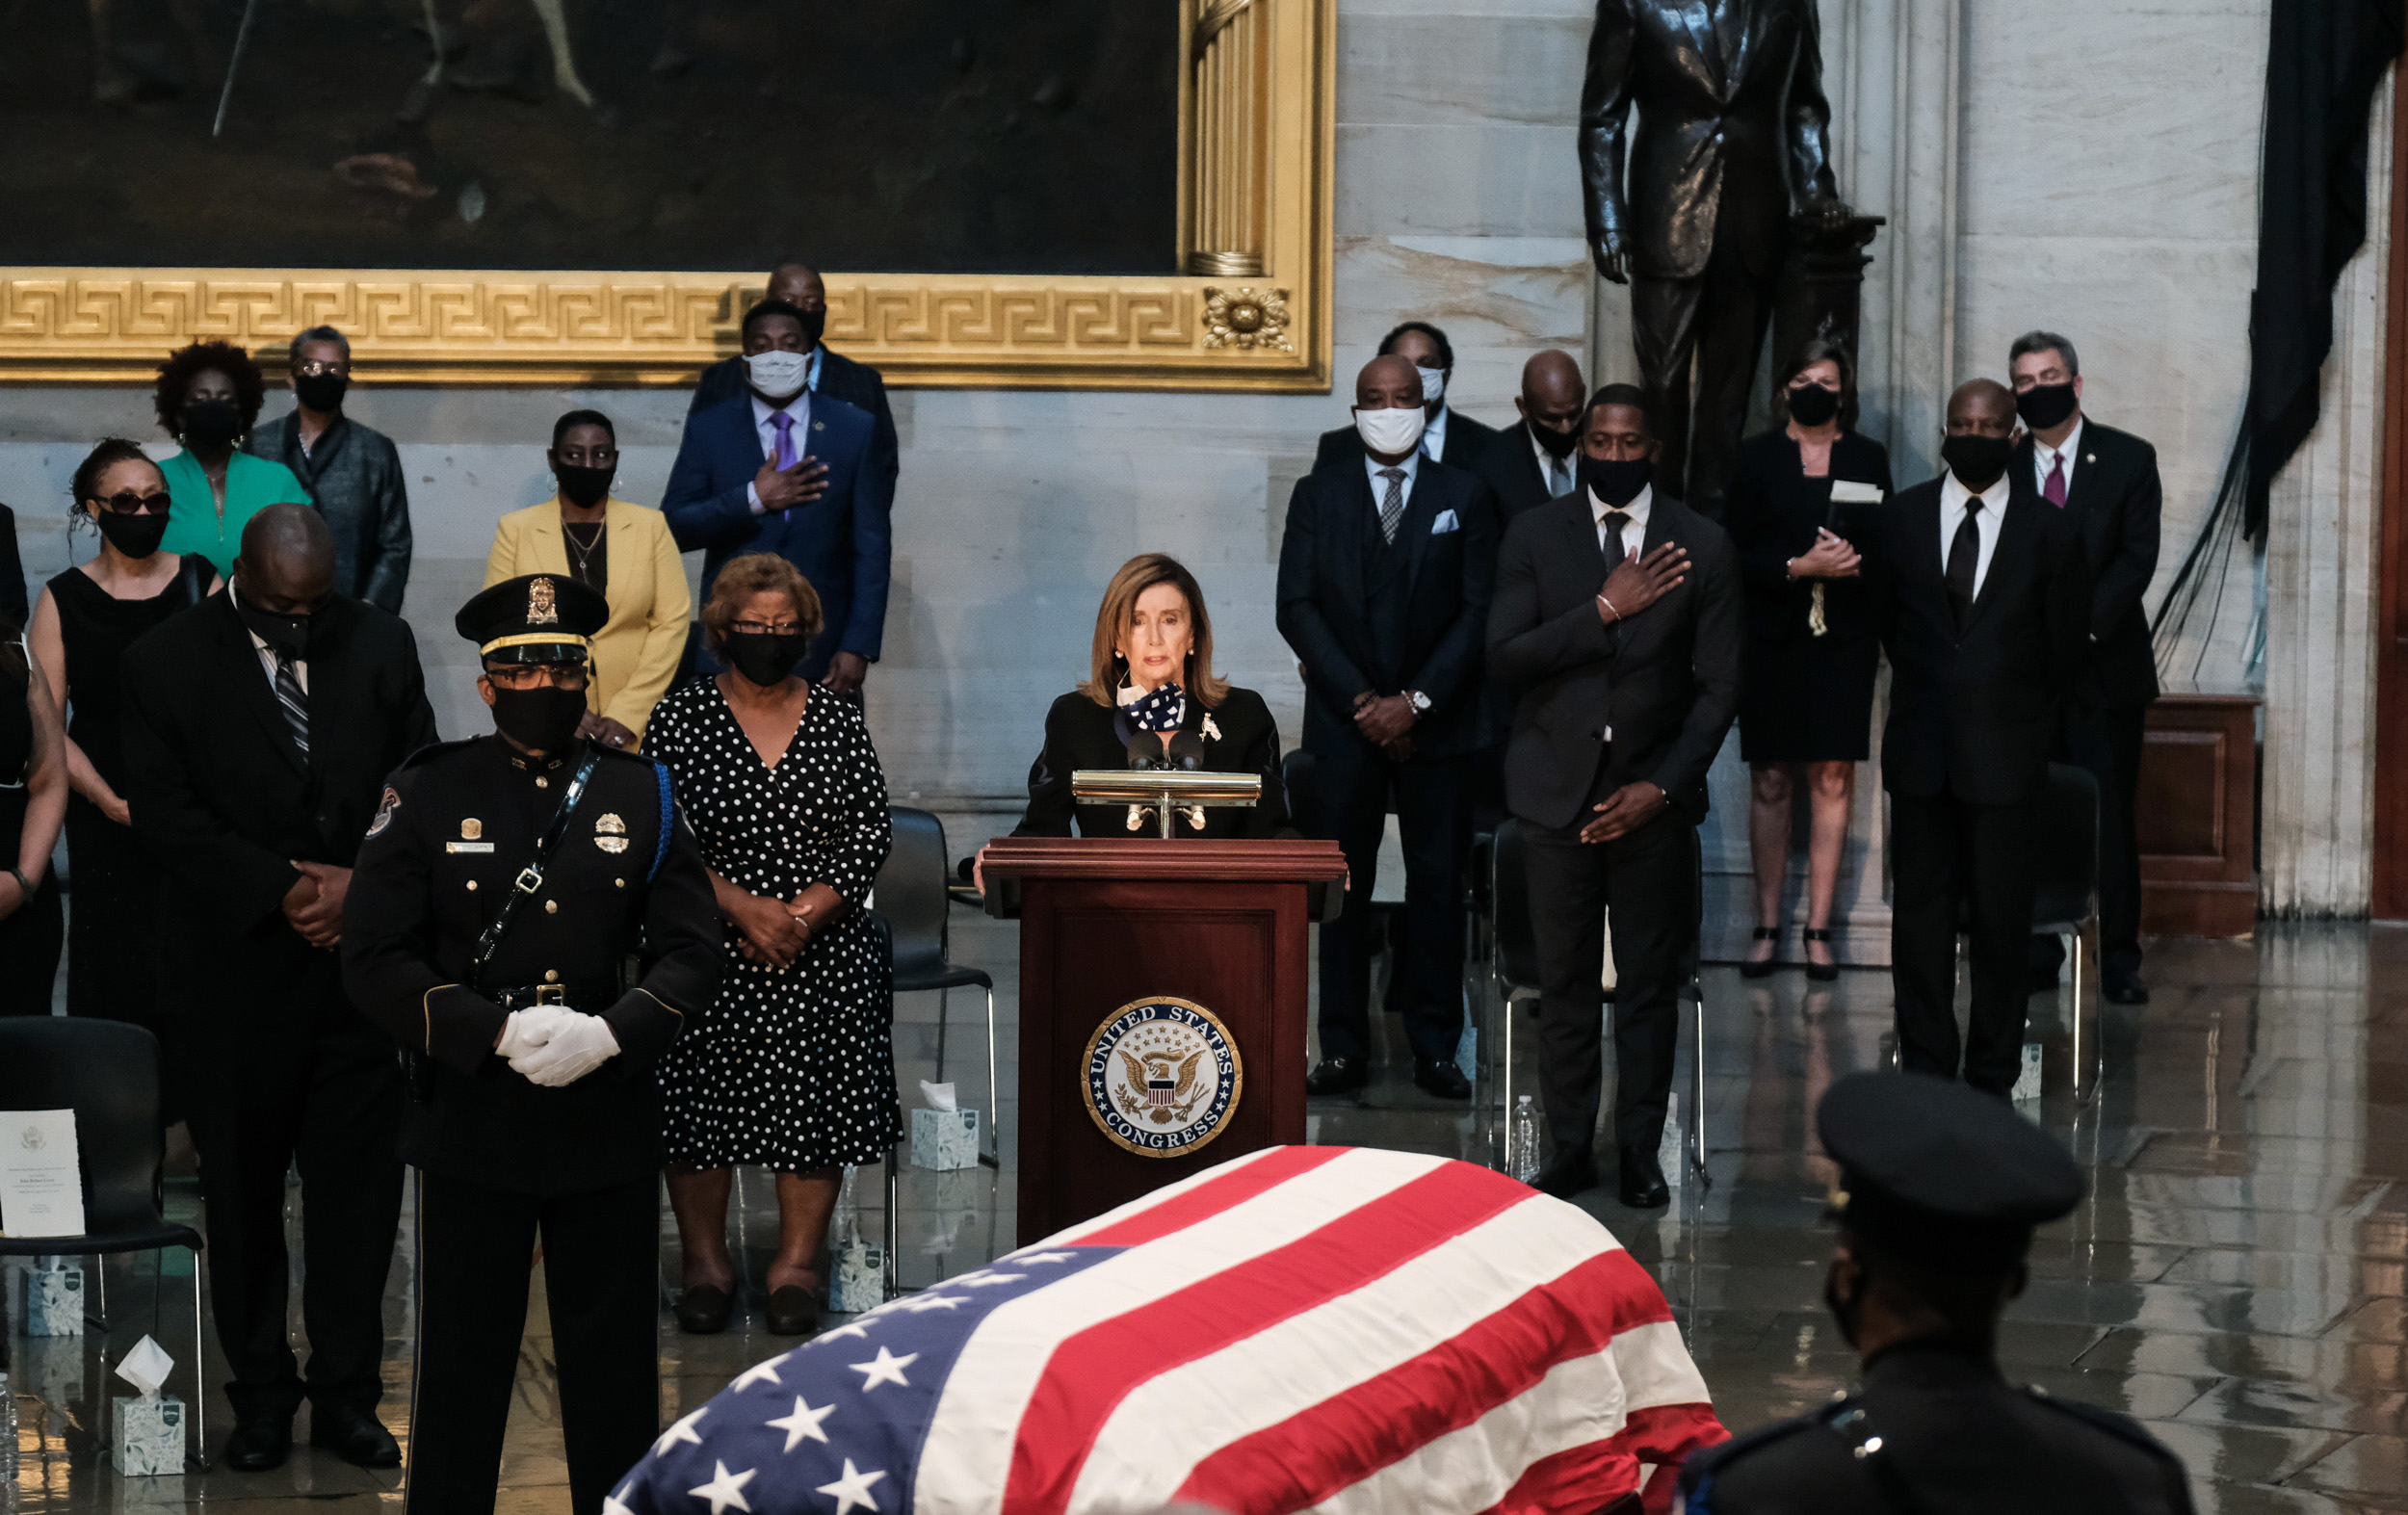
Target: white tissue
147	1366
940	1096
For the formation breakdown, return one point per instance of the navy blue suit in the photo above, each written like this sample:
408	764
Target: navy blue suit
842	541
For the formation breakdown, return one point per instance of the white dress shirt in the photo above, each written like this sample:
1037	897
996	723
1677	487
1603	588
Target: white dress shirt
2043	454
1412	466
1434	435
1557	471
1634	533
1952	498
799	407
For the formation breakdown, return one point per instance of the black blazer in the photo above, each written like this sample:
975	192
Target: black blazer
1510	469
220	793
1446	550
2116	502
1666	681
12	573
1466	440
840	377
1972	714
1772	510
1239	737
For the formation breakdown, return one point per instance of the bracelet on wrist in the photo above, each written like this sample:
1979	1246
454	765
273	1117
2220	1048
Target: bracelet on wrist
1609	607
23	883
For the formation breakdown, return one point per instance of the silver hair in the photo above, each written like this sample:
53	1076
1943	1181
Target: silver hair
292	355
2041	342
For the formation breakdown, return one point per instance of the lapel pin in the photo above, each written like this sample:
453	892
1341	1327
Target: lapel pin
2089	458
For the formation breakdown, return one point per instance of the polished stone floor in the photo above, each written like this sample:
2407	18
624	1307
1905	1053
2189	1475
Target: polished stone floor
2236	1279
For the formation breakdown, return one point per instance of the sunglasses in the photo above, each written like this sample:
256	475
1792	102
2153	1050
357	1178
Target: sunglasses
125	501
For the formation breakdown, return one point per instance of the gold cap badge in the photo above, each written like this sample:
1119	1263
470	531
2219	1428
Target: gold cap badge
540	611
471	829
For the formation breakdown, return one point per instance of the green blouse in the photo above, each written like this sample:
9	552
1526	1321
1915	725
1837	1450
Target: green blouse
251	485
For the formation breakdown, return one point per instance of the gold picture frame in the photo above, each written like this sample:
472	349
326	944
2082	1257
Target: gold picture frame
1257	109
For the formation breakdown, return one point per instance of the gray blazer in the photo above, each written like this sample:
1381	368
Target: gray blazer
355	475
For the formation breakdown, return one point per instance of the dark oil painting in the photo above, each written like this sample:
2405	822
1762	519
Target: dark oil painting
876	136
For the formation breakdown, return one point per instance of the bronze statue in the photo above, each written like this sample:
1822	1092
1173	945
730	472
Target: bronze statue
1733	143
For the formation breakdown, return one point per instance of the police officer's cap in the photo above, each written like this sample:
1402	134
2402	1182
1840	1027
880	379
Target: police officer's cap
541	617
1937	1171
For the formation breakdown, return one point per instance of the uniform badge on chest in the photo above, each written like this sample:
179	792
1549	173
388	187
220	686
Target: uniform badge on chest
609	832
470	830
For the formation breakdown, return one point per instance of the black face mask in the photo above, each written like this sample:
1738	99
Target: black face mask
542	720
320	392
1976	460
134	535
1812	405
1617	483
2044	405
287	634
584	488
765	656
814	321
1558	444
212	423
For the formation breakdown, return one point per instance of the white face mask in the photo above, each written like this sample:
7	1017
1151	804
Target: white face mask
778	375
1390	430
1433	385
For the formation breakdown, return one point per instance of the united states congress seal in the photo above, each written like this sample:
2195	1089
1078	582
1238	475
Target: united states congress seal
1163	1075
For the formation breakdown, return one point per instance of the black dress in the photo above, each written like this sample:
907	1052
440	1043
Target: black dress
111	962
1239	737
31	935
1804	698
793	1068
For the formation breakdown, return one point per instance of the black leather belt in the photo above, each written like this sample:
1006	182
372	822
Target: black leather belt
594	996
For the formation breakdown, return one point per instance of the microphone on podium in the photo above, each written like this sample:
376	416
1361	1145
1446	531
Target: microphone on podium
1145	751
1187	752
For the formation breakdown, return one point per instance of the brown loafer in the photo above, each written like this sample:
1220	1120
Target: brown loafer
702	1310
794	1311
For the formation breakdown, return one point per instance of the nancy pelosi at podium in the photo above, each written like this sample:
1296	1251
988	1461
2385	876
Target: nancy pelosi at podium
1152	681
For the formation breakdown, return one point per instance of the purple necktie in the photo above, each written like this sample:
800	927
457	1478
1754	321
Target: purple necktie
785	457
2054	491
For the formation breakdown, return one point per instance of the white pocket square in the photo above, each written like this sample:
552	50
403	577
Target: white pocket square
1446	522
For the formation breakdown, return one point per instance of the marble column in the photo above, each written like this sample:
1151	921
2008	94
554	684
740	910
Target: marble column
2322	559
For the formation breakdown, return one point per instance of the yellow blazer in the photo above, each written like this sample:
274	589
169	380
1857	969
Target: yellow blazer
636	654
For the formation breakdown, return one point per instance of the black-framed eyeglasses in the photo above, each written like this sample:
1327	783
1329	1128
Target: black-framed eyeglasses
127	502
762	628
538	675
313	370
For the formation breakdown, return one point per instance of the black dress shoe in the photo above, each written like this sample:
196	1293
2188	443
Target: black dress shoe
794	1311
262	1440
1566	1174
1821	973
2125	992
1763	969
702	1310
360	1440
1442	1078
1337	1076
1642	1182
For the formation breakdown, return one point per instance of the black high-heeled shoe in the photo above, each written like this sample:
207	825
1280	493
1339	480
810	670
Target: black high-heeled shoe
1764	970
1821	973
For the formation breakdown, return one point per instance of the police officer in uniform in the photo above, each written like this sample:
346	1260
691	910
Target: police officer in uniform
1942	1186
532	923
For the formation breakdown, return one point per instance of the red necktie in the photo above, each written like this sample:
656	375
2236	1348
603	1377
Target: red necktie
2054	491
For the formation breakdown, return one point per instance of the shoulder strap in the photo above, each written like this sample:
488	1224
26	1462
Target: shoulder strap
669	822
531	877
1854	1427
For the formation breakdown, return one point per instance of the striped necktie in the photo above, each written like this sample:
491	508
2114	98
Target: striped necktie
295	703
1392	508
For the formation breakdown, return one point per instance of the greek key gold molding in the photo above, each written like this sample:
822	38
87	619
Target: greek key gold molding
1266	331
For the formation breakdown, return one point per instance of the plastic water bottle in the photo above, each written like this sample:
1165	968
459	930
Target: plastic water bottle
845	1226
1522	1159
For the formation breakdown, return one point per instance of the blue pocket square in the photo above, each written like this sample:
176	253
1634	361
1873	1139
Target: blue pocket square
1446	522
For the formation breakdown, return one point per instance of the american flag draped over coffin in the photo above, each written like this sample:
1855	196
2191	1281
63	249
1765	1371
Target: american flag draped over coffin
1306	1327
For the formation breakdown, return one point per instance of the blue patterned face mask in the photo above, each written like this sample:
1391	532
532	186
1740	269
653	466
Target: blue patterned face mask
1164	710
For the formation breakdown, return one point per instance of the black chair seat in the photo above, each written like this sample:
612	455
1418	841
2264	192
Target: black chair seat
912	977
140	1239
914	896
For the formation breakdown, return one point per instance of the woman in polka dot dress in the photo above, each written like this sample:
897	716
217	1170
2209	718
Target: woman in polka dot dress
793	1067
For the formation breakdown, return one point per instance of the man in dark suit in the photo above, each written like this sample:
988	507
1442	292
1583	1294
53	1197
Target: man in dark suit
1984	604
259	727
831	374
1732	140
1455	440
1616	625
1383	593
740	485
2106	481
1536	458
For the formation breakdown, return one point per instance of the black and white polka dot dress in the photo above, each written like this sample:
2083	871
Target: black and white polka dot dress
793	1068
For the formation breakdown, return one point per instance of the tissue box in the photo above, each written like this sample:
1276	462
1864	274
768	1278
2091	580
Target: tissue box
860	1282
944	1140
146	1436
53	1301
2027	1082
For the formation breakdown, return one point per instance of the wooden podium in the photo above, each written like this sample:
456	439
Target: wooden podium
1166	982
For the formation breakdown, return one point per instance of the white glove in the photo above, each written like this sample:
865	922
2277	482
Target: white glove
577	1046
529	1029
